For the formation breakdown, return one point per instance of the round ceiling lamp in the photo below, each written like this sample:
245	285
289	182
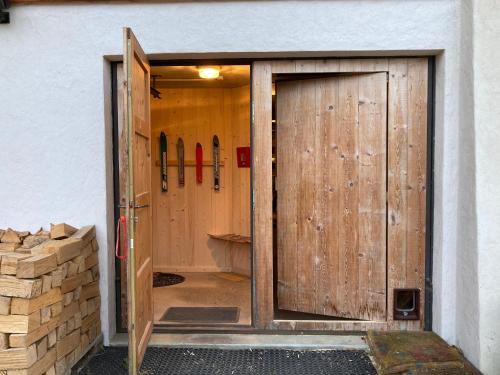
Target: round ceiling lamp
209	72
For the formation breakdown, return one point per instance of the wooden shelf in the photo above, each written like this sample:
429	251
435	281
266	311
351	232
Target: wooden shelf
187	163
231	237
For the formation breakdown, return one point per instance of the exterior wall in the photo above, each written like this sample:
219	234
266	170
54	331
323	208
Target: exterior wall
56	124
487	179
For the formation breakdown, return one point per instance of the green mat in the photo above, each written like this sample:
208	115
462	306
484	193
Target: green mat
415	353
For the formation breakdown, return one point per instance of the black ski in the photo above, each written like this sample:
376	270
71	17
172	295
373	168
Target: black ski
216	162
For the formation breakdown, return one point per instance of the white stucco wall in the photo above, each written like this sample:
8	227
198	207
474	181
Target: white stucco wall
55	151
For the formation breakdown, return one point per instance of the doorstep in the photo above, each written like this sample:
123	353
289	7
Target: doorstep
245	341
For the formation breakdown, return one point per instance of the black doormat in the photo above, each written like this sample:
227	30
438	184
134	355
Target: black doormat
185	361
202	315
165	279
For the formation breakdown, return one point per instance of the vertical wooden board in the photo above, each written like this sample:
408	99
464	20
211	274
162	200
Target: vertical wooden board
348	183
417	179
139	219
262	191
397	160
306	147
328	251
372	194
286	181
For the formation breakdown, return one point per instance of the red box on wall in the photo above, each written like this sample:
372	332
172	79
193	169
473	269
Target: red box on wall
243	156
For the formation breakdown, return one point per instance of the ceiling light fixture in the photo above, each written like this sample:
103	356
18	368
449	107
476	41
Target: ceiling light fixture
208	72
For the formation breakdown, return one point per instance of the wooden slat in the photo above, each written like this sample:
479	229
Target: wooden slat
348	185
286	187
417	179
372	194
262	192
397	176
407	163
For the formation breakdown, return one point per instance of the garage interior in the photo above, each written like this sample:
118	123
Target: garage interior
201	232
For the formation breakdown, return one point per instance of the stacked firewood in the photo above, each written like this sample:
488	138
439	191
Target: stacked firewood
49	299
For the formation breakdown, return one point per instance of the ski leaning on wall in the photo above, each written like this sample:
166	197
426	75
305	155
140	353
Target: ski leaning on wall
163	162
216	162
180	161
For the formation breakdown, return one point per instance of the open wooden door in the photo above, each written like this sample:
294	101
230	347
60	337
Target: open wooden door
138	210
331	195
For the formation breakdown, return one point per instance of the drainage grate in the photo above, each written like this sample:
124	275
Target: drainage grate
165	279
184	361
198	315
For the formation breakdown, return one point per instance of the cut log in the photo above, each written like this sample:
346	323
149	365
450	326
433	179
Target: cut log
69	311
72	283
32	241
45	314
56	309
68	344
9	246
41	348
86	234
10	261
5	305
13	287
56	277
46	283
90	321
11	236
23	306
52	338
4	341
19	323
65	250
89	291
61	231
36	265
43	365
91	261
25	340
18	358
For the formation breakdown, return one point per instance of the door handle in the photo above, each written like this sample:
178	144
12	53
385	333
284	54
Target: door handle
137	206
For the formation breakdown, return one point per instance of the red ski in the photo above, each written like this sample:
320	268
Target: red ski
199	163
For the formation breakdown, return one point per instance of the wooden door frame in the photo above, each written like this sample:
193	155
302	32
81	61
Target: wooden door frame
262	235
261	137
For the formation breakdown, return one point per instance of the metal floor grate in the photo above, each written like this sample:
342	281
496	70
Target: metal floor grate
184	361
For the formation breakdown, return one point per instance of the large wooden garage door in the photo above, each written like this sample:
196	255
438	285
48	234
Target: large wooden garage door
331	195
350	194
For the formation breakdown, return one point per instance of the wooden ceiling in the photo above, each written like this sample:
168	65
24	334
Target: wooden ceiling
187	76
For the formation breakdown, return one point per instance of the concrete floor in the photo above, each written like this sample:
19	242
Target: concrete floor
205	290
245	341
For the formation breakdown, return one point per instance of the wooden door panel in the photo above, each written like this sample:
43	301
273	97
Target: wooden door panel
139	263
331	183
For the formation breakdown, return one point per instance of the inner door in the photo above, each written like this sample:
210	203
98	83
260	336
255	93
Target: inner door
138	209
331	195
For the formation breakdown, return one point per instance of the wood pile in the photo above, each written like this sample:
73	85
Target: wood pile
49	299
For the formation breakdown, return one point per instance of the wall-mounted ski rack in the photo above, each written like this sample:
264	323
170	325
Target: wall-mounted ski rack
188	163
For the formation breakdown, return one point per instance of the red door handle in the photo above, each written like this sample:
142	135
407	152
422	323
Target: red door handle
122	224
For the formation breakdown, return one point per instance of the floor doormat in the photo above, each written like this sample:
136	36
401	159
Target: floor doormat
415	353
202	315
165	279
185	361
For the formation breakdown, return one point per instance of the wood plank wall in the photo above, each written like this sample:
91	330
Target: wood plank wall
407	181
241	253
184	215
